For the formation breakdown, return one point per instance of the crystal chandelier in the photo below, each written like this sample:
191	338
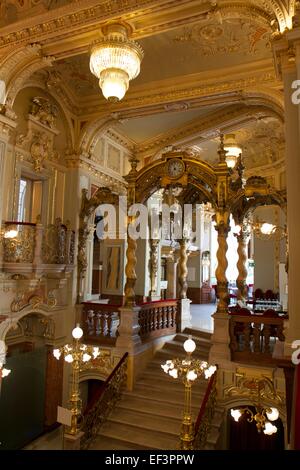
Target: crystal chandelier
233	151
115	60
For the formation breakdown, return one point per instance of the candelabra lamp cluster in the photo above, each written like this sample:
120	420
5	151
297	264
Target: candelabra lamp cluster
262	418
258	391
76	354
3	371
188	369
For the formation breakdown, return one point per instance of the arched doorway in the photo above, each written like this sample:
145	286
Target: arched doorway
31	393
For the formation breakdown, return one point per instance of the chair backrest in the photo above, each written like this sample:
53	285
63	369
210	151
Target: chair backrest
258	294
269	295
236	310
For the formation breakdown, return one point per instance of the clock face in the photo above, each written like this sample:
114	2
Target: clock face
175	168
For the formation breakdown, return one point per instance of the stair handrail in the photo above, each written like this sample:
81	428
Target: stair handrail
97	411
206	413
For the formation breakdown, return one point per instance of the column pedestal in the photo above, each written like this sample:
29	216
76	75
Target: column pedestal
185	317
72	442
219	351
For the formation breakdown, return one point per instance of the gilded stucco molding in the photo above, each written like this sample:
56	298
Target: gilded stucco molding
92	132
211	91
230	116
18	66
77	19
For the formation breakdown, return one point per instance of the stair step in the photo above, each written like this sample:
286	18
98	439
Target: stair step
155	373
169	410
148	439
166	353
158	423
198	333
165	392
181	337
108	443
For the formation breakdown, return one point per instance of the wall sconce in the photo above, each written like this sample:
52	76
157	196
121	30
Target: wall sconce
258	391
266	231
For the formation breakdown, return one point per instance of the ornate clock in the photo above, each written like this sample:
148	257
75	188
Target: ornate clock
175	168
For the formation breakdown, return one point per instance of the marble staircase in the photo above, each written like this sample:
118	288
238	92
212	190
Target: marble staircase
149	417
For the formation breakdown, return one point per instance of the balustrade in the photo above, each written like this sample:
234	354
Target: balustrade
26	243
100	322
253	337
19	242
158	318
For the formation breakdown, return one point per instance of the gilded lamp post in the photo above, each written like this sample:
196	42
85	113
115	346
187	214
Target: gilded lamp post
76	354
188	370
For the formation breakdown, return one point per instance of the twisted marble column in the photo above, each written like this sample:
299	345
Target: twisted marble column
153	265
183	271
222	283
241	282
131	261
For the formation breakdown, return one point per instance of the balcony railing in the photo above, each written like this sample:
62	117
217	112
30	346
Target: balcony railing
101	321
253	337
27	246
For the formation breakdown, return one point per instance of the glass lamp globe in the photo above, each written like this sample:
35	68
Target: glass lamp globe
189	346
11	234
232	149
273	414
270	429
77	333
267	229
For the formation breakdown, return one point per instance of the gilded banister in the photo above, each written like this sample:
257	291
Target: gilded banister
37	245
206	414
19	248
103	403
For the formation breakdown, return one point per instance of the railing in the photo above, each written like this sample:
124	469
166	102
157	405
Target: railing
157	319
100	322
103	403
28	243
21	247
206	414
252	337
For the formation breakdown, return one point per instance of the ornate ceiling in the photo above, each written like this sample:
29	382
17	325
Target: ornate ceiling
208	68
